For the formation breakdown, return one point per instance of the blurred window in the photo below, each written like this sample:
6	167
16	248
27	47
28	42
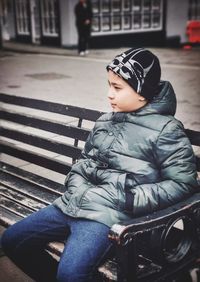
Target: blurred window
126	5
49	16
22	17
137	5
116	23
106	24
116	6
121	16
105	6
96	24
194	10
137	21
127	22
96	6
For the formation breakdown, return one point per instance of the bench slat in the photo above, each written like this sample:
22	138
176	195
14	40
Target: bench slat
34	158
8	217
32	178
30	190
44	143
55	248
20	198
194	136
46	124
15	207
68	110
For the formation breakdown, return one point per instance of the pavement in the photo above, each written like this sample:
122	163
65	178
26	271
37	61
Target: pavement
19	62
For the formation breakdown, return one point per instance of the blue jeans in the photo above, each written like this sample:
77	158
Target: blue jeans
86	244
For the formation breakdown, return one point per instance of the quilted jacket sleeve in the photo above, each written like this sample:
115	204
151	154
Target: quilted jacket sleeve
176	163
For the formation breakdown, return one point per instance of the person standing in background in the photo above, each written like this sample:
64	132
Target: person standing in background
83	13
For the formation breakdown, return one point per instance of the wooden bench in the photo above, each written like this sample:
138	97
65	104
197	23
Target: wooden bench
39	143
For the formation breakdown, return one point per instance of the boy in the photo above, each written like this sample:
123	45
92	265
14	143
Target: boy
136	160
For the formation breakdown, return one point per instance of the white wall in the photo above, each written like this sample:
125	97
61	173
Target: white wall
176	18
68	27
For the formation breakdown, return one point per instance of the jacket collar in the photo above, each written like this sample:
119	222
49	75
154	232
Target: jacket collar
164	103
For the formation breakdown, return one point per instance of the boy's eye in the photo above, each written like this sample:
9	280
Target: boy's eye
115	86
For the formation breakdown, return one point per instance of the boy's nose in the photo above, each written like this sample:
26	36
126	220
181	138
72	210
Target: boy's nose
110	94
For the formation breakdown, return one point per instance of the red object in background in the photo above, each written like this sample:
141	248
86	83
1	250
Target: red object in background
193	31
187	47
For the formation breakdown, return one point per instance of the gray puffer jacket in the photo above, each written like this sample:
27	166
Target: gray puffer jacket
132	164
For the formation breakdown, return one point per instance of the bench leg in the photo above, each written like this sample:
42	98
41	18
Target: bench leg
127	262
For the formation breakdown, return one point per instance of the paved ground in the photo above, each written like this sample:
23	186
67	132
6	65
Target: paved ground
60	75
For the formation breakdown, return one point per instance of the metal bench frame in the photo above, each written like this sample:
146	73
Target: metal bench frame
142	251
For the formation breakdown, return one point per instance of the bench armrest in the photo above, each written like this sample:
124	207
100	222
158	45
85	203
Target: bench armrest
122	232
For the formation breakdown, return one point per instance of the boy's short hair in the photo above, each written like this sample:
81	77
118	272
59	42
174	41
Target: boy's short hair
140	68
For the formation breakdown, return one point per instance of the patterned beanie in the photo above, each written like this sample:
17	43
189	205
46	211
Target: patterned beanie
141	70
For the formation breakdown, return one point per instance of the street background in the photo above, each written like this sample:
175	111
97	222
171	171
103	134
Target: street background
59	75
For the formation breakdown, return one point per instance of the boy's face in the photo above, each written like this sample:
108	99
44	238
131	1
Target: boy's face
122	96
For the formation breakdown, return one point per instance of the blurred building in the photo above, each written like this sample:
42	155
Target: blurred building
115	22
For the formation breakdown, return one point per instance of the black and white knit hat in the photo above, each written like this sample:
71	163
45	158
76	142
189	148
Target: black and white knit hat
140	68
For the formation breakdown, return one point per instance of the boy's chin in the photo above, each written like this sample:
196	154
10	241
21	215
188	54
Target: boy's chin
115	110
